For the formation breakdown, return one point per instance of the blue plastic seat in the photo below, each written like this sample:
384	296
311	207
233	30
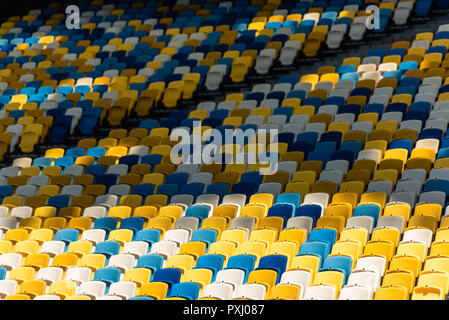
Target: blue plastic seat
332	136
106	223
107	275
129	160
207	236
152	159
282	210
252	176
325	146
106	179
245	262
310	210
64	162
220	189
171	276
59	201
144	189
431	133
276	262
133	223
316	248
194	189
108	248
148	235
95	170
60	128
443	153
338	263
6	191
187	290
246	187
198	211
212	262
402	144
153	262
290	198
370	210
437	185
67	235
352	145
42	162
96	152
324	234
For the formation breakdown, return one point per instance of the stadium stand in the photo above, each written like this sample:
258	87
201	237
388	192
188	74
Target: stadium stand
93	208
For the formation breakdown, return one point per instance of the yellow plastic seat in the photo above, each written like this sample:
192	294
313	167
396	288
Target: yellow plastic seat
63	288
284	292
329	278
399	278
427	293
121	235
391	293
181	262
157	290
410	263
32	288
266	277
139	276
437	279
93	261
22	274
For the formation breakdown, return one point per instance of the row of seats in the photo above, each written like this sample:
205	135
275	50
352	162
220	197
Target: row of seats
356	207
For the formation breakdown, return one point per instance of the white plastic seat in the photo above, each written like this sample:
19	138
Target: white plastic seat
366	126
164	248
301	278
50	274
236	199
211	200
10	260
95	212
123	289
7	287
356	293
72	190
94	235
418	235
178	236
438	197
136	248
392	222
364	222
122	261
93	289
263	64
301	222
252	291
108	201
78	274
53	248
404	197
234	277
22	212
222	291
415	174
340	165
319	198
320	292
373	263
380	186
